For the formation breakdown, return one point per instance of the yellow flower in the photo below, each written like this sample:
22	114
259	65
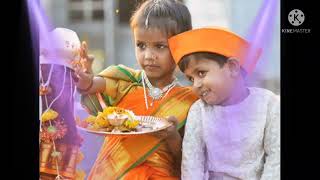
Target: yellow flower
49	115
90	119
101	120
131	124
109	110
130	115
100	115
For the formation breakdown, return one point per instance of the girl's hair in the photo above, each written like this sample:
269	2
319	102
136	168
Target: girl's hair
170	16
220	59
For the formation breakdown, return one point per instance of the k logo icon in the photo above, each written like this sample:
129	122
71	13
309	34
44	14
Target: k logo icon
296	17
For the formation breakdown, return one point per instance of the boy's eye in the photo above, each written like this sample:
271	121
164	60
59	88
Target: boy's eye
141	45
190	79
202	73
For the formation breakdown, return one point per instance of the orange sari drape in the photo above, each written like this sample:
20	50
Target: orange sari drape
144	156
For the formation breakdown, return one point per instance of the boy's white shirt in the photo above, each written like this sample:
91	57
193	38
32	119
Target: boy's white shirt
240	141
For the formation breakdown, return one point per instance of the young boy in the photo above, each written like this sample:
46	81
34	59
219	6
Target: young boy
233	131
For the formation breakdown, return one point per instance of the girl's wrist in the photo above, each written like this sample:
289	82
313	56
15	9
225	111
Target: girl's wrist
87	88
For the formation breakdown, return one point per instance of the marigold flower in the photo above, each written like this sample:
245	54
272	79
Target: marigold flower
52	132
109	110
90	119
131	124
49	115
102	121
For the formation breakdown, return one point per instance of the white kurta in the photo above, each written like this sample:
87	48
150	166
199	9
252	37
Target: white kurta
240	141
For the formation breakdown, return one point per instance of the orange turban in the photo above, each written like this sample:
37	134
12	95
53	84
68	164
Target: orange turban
215	40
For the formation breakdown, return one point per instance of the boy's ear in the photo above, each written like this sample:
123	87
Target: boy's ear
234	67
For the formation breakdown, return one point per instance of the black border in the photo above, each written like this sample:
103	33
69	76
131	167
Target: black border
23	136
299	78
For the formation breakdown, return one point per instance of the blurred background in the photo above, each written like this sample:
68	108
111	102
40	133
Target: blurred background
104	24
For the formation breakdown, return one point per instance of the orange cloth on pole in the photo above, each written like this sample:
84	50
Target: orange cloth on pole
215	40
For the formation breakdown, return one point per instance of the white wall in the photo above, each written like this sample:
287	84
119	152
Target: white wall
209	12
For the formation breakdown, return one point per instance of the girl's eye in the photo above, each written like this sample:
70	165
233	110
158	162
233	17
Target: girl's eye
161	46
201	73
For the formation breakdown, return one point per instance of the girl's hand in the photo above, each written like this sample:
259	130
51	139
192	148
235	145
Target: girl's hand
85	59
173	142
169	132
83	74
82	79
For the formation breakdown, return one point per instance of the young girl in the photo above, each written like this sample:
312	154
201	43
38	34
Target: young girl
152	91
233	131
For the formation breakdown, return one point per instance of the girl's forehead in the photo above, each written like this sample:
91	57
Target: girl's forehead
149	34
